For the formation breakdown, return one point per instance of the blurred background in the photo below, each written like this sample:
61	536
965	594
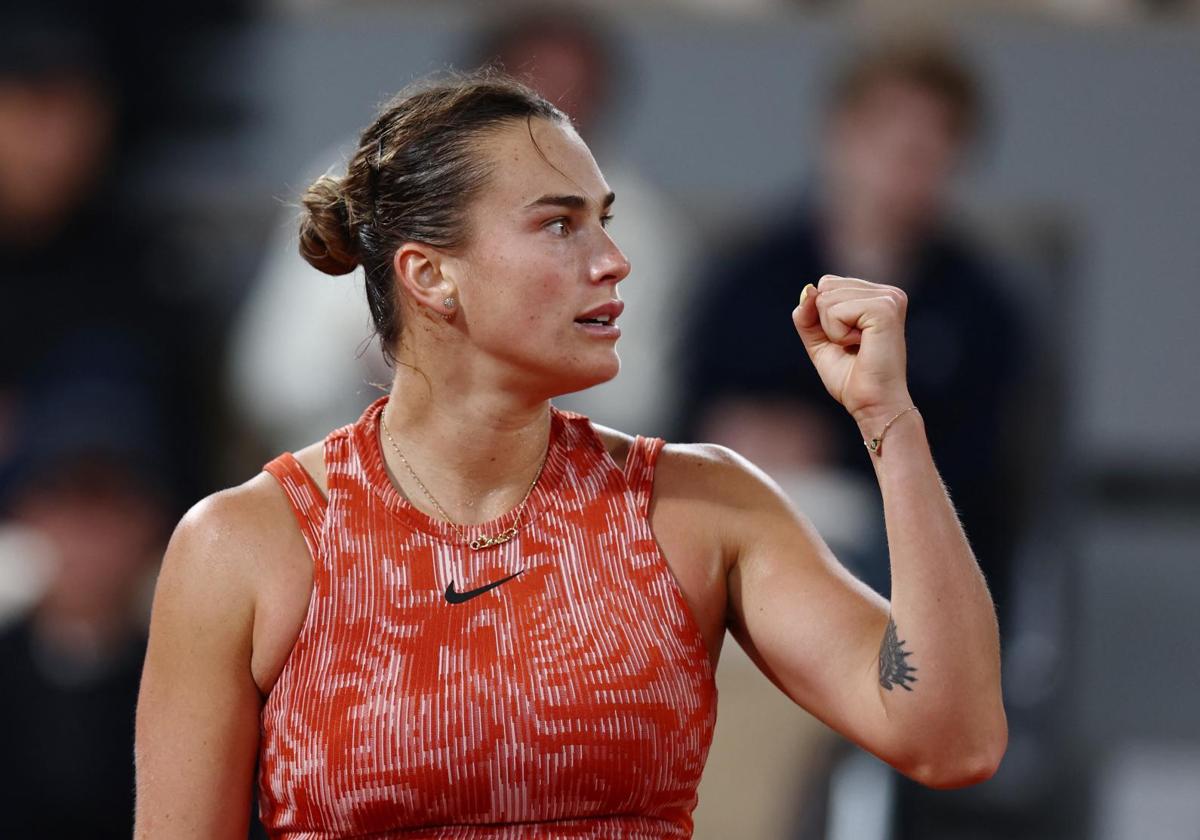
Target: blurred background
1028	171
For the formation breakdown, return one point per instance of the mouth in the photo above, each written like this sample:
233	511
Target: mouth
603	320
604	315
598	328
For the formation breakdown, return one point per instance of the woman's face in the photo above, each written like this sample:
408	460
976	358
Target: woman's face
538	259
896	149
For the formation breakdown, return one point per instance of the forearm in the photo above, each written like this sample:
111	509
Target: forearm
949	706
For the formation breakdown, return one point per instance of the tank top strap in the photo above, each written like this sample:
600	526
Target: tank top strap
304	494
639	469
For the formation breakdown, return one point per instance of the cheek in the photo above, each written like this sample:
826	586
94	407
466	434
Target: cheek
546	292
521	297
520	286
538	308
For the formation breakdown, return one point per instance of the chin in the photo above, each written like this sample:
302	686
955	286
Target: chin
580	378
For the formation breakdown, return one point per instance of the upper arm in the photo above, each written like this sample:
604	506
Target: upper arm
197	723
801	616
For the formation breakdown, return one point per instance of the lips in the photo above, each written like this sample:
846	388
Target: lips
606	313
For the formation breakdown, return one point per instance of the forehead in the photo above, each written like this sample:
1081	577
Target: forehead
538	157
900	96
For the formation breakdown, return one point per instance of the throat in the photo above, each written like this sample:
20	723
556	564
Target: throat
482	479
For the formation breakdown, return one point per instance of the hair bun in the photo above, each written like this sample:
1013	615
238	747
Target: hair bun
326	241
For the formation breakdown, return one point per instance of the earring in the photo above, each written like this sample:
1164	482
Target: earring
449	303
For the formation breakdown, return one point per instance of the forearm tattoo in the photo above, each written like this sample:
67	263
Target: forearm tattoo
893	661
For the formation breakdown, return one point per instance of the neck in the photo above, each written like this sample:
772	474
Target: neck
867	240
476	450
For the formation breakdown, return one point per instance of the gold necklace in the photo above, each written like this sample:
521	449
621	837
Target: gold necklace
479	542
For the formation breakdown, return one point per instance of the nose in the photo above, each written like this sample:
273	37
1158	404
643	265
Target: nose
611	265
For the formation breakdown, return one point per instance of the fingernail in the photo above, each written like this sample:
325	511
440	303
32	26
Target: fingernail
804	293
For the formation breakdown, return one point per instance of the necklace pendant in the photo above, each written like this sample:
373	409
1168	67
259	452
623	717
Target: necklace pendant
486	542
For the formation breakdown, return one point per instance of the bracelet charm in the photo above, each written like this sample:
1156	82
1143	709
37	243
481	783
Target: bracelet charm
875	443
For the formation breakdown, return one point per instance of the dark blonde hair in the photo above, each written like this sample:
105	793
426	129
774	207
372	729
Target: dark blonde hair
928	61
416	169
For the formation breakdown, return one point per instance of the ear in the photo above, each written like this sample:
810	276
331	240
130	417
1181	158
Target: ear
418	267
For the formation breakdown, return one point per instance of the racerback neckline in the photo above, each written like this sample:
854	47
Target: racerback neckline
366	436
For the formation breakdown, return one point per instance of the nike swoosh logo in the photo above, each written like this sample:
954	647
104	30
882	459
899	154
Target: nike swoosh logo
458	597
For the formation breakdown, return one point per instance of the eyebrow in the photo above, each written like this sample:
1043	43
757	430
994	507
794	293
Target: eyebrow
575	202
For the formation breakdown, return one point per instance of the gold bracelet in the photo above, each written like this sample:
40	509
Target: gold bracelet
875	443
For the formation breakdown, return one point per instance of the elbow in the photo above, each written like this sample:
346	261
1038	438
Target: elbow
963	768
959	774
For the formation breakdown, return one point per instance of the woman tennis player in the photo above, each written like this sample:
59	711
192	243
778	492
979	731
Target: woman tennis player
470	614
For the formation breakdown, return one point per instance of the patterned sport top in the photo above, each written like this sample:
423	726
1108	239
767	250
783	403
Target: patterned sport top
576	699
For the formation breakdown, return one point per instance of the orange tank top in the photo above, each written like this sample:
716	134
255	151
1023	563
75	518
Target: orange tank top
424	699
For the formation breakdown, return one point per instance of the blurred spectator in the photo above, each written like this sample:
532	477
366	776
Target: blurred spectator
900	119
58	118
574	60
91	488
72	249
57	123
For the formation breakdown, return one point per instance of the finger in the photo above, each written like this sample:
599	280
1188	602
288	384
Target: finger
834	328
839	333
813	299
832	296
807	320
844	321
837	281
808	297
830	288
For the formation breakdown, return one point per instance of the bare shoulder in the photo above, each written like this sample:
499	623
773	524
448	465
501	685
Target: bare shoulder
718	490
220	544
231	545
711	465
707	474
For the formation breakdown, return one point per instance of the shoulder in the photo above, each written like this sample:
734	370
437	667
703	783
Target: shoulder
709	478
244	513
220	549
713	475
617	443
672	458
312	458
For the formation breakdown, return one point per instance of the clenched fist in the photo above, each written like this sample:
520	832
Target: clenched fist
853	331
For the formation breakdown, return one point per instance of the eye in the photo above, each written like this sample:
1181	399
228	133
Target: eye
605	219
560	226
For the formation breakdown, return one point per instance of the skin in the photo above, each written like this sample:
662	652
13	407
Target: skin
236	578
888	160
55	139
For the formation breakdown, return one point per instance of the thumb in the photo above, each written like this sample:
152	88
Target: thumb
808	320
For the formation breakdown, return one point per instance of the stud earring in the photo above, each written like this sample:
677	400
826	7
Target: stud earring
449	303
